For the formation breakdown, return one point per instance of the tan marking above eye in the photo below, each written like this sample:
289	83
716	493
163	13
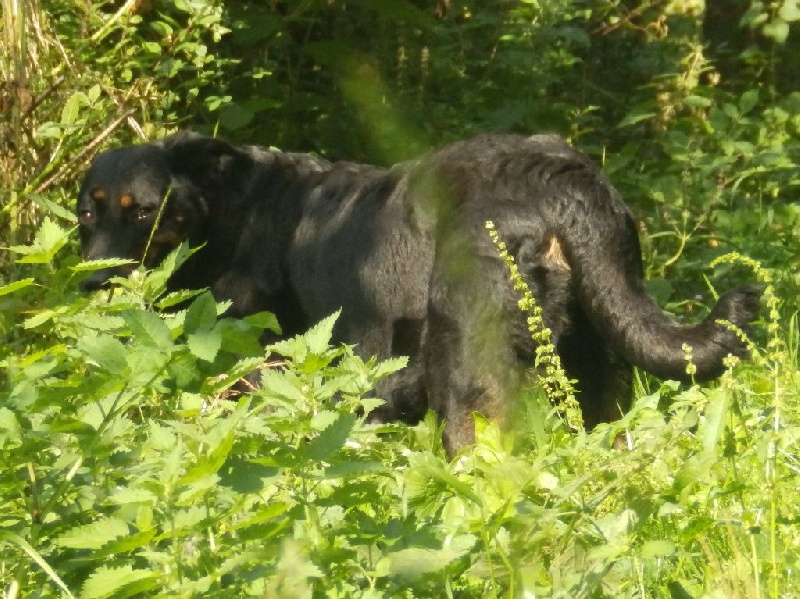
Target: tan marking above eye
99	195
179	218
126	201
553	256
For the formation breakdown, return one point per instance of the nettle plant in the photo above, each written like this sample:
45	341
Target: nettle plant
136	461
133	462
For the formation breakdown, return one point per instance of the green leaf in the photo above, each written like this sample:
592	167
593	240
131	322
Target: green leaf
94	535
155	284
778	30
205	344
212	461
748	101
49	239
790	11
145	364
411	564
9	426
149	329
240	338
694	470
319	336
108	352
10	537
107	582
72	108
177	297
232	375
140	540
657	549
16	286
389	366
331	440
39	319
92	265
713	425
282	384
266	321
636	117
201	315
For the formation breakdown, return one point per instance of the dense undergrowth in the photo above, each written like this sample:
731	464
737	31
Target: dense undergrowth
133	460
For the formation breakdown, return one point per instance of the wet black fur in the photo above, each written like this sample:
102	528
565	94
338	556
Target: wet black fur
405	253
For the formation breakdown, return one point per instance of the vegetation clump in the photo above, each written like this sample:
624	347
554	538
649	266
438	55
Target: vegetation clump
134	462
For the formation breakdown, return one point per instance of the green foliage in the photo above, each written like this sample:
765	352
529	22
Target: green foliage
558	388
133	467
136	460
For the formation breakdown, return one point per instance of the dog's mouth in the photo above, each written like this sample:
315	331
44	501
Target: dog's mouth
100	279
161	244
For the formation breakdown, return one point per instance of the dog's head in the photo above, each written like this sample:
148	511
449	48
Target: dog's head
149	198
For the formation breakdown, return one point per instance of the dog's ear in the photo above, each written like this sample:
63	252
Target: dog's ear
208	162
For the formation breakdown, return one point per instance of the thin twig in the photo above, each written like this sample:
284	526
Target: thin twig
43	96
80	156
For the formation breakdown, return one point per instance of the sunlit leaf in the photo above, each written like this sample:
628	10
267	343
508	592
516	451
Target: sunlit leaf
94	535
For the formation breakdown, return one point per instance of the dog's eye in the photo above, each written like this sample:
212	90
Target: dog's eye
142	212
86	217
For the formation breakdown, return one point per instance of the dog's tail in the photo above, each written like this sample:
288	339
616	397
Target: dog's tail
597	235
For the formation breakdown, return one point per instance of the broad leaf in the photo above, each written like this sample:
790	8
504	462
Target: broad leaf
94	535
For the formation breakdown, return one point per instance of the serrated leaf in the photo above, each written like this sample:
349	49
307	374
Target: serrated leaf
265	321
38	319
201	315
94	535
714	421
331	440
96	322
144	364
130	543
239	338
748	101
694	470
319	336
657	548
427	469
155	283
778	30
294	348
184	370
108	352
49	239
127	495
108	582
240	369
211	463
281	384
389	366
205	344
148	329
790	11
633	118
409	565
323	419
177	297
9	423
92	265
16	286
71	109
244	476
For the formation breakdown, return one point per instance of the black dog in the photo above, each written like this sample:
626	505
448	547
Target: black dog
405	253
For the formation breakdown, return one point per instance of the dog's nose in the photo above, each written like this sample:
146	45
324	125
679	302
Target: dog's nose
98	280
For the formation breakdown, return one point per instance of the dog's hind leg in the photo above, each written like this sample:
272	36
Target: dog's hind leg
470	361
